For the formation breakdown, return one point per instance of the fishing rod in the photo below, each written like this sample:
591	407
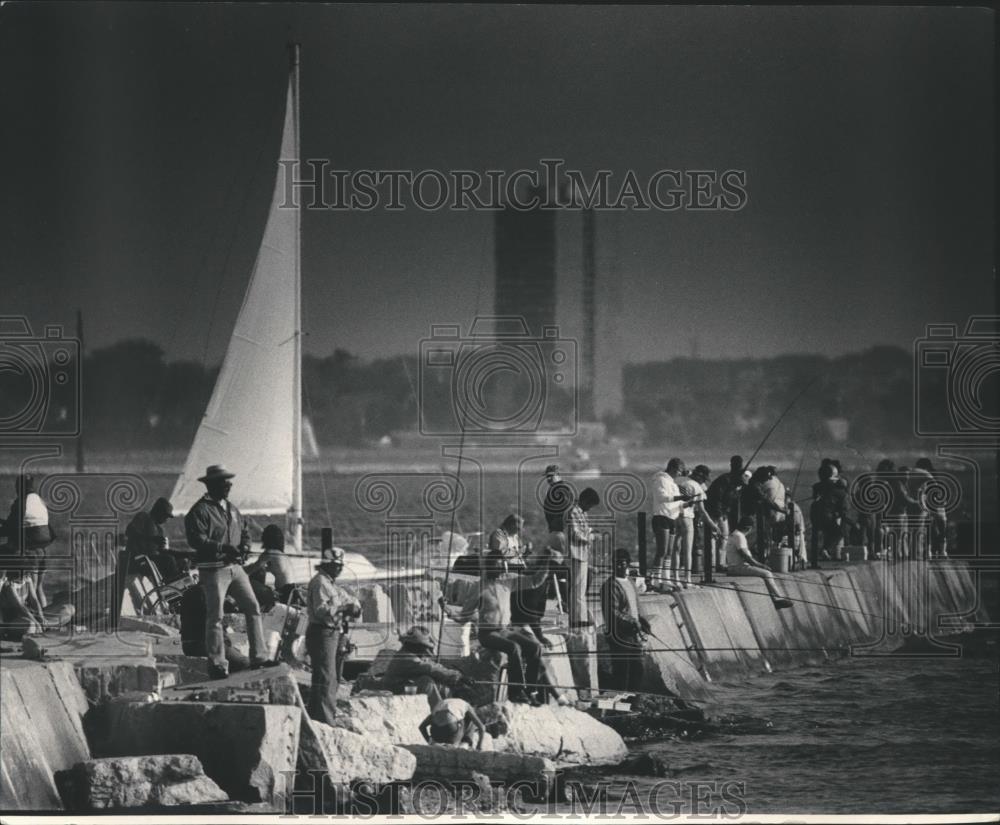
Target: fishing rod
774	426
606	691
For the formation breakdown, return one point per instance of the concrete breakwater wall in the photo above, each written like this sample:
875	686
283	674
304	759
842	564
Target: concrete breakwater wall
732	630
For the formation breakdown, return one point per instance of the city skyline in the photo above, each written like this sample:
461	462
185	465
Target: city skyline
138	191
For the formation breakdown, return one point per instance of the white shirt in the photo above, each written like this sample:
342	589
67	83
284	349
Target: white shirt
690	487
36	514
734	544
664	489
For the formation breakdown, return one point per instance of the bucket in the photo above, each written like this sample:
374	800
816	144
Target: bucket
782	562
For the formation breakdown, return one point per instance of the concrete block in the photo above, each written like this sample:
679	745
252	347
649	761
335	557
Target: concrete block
446	763
456	640
714	619
376	608
139	781
394	720
352	756
269	686
414	602
557	665
106	665
248	749
41	732
668	666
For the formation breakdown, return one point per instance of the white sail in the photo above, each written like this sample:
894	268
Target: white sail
251	422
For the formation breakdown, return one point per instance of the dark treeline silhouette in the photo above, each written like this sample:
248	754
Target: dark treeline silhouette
865	398
133	398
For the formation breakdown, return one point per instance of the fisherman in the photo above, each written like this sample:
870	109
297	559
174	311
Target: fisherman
194	615
506	539
328	606
739	562
580	538
527	609
27	530
146	536
938	528
558	499
452	722
216	533
828	511
722	504
623	626
667	506
693	491
413	664
492	601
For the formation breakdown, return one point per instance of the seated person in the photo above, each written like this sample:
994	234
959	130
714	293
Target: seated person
492	602
739	561
452	722
414	663
272	559
506	540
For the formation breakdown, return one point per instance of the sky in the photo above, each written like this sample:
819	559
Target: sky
138	144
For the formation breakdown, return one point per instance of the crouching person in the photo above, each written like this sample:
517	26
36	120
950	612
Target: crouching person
453	722
328	606
414	664
739	561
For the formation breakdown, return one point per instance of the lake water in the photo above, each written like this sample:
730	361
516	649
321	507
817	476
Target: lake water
879	735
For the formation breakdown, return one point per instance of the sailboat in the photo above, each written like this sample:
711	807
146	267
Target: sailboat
253	422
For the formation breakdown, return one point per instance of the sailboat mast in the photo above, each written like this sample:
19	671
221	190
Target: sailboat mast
296	513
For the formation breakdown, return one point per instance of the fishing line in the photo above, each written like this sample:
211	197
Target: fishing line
463	416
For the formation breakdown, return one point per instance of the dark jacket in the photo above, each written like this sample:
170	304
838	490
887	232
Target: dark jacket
408	667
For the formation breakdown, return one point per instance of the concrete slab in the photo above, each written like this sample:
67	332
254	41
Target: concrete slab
41	732
720	630
248	749
669	668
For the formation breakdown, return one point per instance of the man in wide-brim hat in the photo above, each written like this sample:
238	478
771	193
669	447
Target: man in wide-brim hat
215	531
327	604
414	664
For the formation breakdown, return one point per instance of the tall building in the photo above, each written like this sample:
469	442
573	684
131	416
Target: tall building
525	256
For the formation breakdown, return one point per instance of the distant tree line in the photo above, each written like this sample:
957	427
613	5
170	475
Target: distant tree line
133	398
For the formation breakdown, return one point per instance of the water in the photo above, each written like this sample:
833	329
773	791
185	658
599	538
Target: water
858	735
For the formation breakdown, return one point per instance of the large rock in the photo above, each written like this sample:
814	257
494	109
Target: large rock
391	719
250	750
41	732
443	762
139	781
562	734
106	665
352	756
